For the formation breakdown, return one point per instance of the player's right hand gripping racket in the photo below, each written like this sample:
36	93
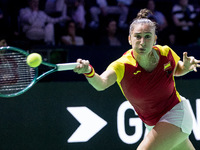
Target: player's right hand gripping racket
16	77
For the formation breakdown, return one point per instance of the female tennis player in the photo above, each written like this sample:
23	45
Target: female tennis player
145	74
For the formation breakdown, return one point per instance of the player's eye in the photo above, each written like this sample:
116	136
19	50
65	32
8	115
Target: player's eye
138	37
147	36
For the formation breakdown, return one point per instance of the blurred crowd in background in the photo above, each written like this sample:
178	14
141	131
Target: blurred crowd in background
95	22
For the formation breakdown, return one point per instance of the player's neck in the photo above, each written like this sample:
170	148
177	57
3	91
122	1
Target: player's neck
148	62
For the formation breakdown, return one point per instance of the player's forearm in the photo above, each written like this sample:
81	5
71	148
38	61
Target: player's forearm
181	69
97	82
103	81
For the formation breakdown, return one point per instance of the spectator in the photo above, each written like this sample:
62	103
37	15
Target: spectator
37	25
163	31
124	6
76	11
111	38
159	16
55	8
71	38
184	16
102	8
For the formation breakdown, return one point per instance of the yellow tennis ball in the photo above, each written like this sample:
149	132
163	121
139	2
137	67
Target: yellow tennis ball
34	60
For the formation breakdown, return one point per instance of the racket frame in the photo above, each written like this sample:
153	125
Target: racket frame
37	77
31	83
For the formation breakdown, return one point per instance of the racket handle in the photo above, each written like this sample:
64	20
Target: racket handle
66	66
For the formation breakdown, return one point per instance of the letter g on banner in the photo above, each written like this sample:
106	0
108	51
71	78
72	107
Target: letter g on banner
133	122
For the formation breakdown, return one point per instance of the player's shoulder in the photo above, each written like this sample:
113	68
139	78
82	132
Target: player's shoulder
164	50
127	53
127	58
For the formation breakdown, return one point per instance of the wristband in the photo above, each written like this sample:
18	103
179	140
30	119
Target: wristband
91	73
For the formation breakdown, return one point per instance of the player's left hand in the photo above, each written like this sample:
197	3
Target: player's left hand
190	62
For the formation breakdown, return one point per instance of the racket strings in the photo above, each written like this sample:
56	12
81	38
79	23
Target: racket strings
15	74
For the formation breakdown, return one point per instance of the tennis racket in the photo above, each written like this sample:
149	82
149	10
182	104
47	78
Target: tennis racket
16	77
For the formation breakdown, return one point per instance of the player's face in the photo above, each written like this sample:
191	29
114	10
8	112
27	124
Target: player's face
142	39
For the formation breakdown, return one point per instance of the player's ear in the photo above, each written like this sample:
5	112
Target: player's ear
156	37
129	40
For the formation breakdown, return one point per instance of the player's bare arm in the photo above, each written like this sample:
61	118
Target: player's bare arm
99	82
188	64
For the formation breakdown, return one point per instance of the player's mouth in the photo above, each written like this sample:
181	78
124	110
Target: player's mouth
142	49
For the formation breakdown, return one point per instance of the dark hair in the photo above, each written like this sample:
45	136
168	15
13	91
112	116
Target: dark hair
143	13
143	17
